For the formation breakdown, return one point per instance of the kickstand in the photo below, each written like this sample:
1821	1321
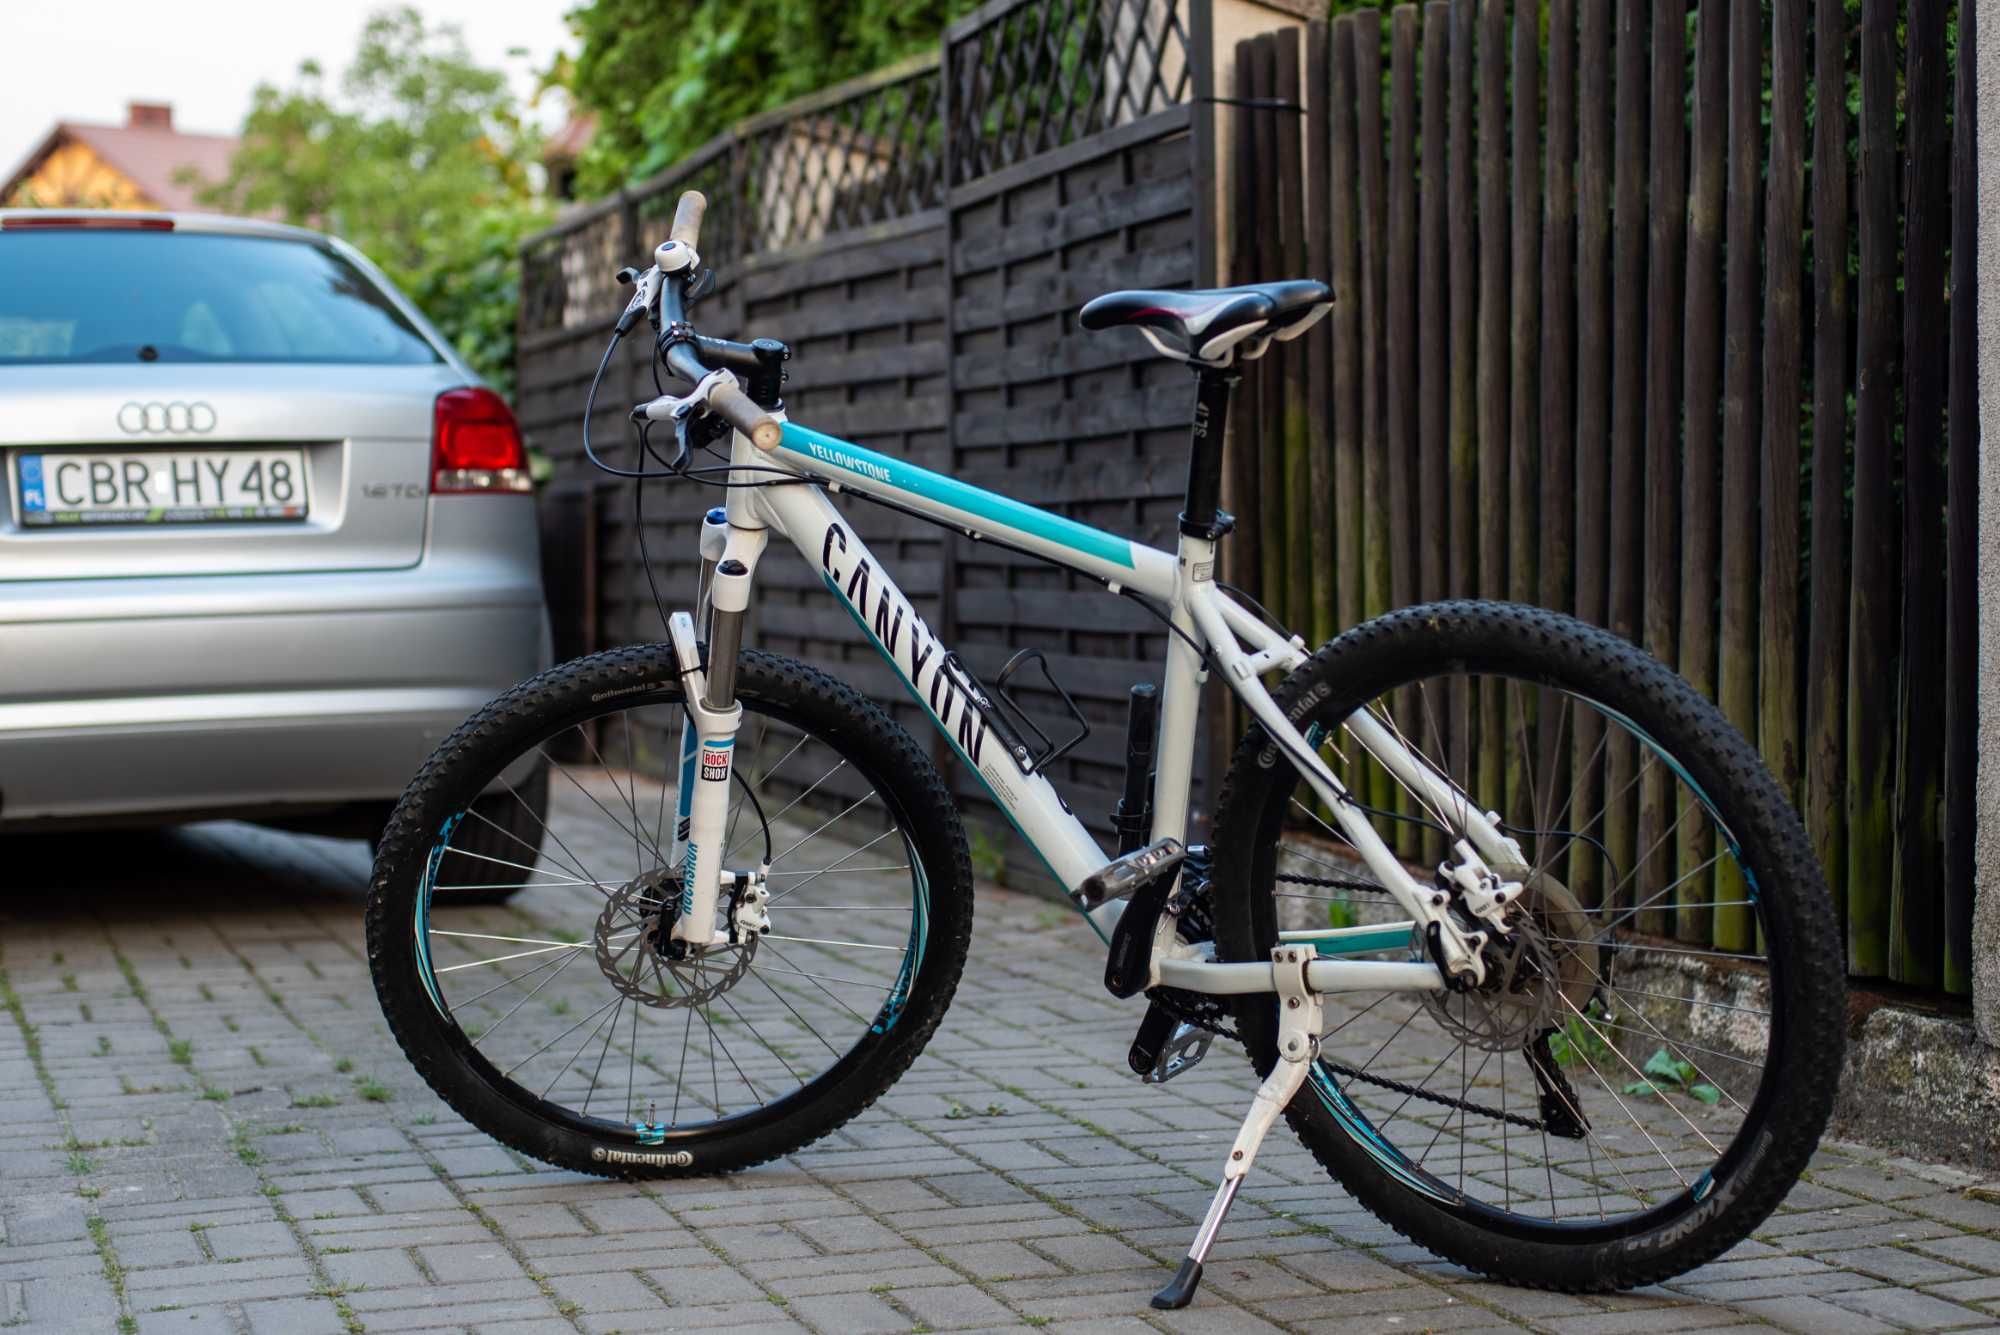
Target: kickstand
1299	1015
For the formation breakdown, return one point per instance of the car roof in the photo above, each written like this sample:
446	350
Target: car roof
183	222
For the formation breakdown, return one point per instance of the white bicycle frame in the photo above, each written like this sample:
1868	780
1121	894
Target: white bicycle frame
1242	646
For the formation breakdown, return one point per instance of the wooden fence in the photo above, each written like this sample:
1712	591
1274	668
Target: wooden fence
1638	318
921	238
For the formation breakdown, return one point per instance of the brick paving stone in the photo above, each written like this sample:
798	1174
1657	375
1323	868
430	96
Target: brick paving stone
213	1320
1016	1172
1813	1316
1917	1311
376	1268
294	1316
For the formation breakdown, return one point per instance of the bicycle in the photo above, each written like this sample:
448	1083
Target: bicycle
1622	901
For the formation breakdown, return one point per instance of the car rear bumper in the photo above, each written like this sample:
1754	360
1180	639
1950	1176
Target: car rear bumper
120	698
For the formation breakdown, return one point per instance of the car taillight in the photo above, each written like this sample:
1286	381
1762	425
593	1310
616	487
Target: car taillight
475	445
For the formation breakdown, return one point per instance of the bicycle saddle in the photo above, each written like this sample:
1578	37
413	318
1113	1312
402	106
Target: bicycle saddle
1212	325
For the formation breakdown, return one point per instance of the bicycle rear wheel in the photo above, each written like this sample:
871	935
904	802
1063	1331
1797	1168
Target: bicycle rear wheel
1650	1069
567	1024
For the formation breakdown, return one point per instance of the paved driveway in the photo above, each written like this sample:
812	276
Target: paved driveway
208	1128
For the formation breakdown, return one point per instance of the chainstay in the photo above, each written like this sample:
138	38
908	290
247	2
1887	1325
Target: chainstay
1205	1012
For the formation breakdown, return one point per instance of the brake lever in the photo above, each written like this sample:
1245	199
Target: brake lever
680	410
645	301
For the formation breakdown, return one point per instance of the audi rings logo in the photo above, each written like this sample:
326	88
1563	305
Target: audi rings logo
155	419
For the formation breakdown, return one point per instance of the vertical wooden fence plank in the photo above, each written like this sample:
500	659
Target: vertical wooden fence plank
1702	342
1784	222
1462	559
1433	372
1376	532
1962	524
1344	227
1558	505
1374	458
1401	421
1659	802
1401	425
1523	778
1872	618
1733	924
1320	187
1246	546
1293	439
1916	913
1824	801
1264	377
1593	412
1524	399
1491	56
1433	317
1460	214
1628	403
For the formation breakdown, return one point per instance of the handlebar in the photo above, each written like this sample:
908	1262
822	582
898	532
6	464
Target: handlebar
726	399
687	219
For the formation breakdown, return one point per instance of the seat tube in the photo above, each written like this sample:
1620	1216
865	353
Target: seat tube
1180	699
1202	524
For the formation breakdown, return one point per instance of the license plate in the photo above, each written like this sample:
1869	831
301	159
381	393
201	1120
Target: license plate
162	487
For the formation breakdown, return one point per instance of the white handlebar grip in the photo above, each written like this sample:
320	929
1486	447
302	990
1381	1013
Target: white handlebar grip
687	219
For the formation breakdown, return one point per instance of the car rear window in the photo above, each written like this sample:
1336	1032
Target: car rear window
98	296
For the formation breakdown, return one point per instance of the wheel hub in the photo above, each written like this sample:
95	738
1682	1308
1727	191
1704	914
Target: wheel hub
636	951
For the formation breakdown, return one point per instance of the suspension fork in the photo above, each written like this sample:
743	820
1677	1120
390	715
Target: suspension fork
709	731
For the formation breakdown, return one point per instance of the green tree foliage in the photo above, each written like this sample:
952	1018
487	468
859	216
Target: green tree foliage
665	76
421	160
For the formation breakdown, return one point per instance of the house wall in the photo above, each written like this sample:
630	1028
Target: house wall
75	177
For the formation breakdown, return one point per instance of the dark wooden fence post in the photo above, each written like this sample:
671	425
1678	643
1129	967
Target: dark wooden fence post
1295	430
1916	915
1784	333
1344	232
1320	429
1740	421
1627	523
1871	661
1824	802
1659	804
1489	771
1962	525
1433	313
1593	410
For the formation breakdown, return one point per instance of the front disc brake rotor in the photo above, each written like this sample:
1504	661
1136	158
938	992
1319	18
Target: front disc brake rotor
633	938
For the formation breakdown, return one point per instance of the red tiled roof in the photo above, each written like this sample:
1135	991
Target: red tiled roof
153	158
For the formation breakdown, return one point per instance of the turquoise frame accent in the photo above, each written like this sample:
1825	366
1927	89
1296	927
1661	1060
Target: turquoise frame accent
1391	936
818	450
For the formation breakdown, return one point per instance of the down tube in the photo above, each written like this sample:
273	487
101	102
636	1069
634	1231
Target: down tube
932	676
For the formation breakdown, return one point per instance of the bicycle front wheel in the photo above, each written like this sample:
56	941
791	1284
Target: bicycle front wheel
1651	1063
568	1024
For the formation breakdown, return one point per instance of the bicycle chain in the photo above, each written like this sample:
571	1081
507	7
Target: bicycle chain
1207	1012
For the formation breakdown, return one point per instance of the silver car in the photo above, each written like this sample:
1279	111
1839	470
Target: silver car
264	539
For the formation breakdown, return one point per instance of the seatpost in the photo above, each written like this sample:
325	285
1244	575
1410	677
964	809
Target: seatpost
1202	518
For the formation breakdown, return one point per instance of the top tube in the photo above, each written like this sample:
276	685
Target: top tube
1107	556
